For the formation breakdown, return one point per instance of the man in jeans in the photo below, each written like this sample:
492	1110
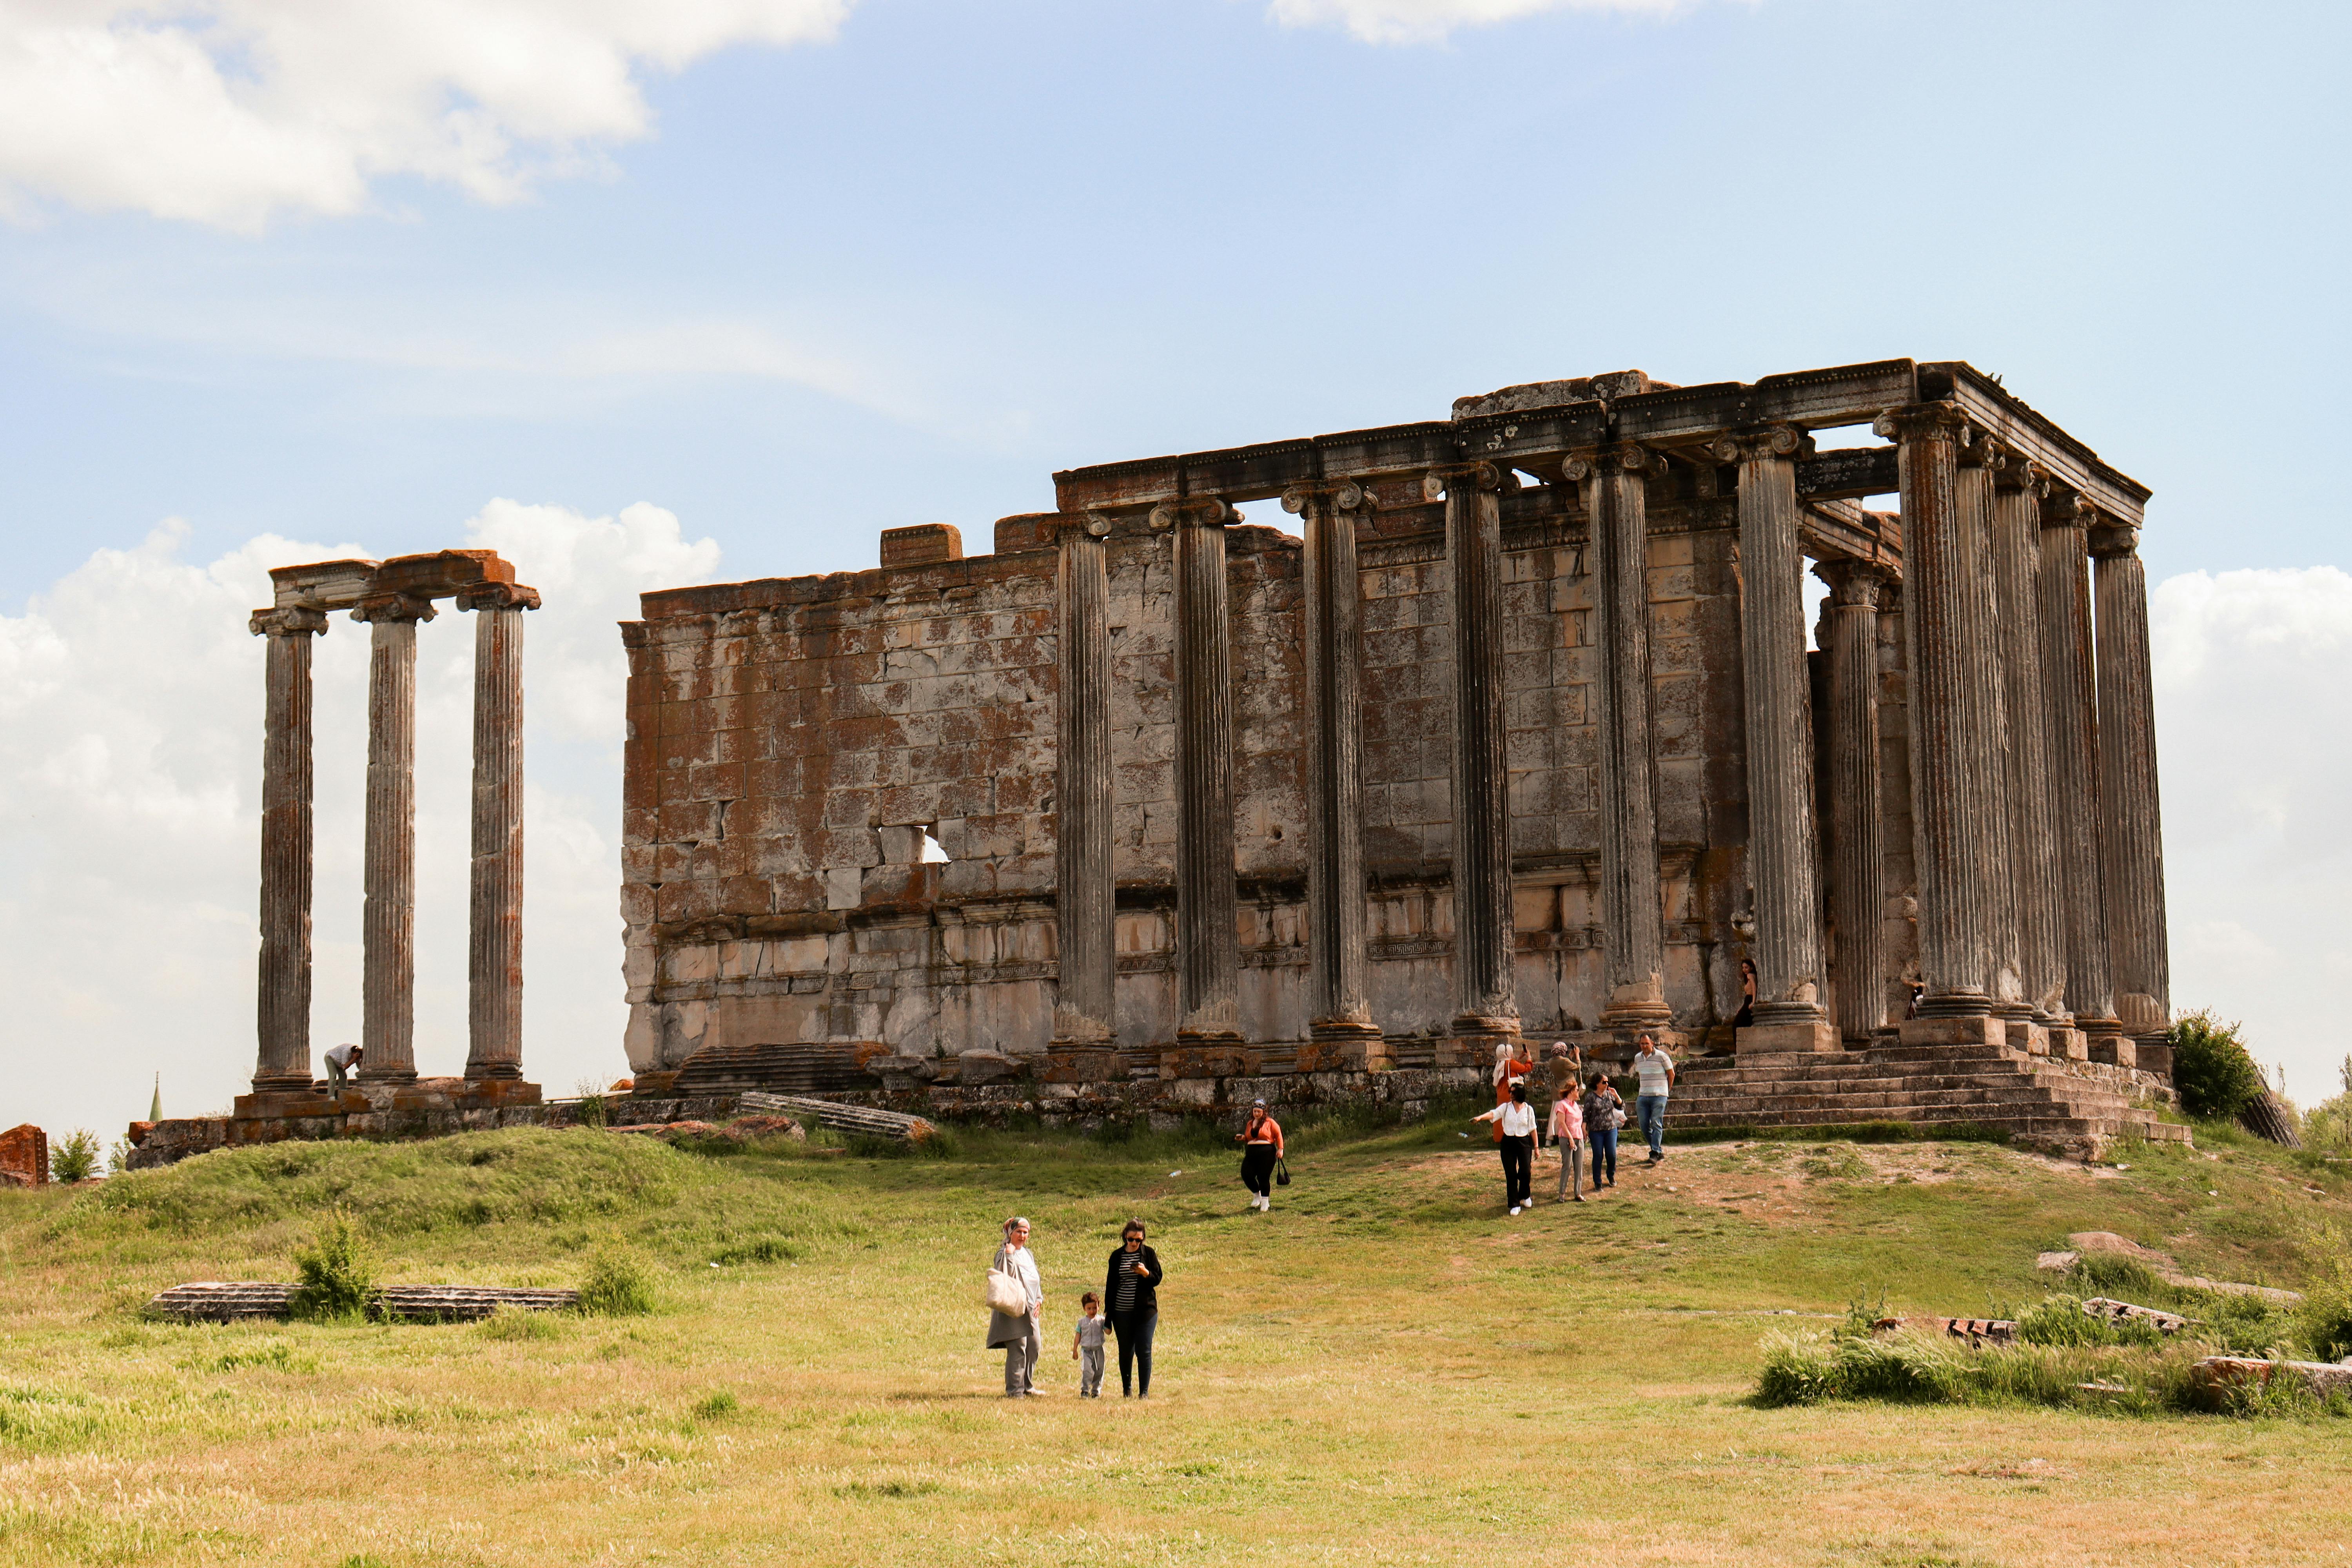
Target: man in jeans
1657	1072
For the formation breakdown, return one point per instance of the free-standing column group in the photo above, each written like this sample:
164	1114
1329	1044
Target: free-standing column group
392	597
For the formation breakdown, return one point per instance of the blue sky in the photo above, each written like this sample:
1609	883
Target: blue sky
904	275
392	288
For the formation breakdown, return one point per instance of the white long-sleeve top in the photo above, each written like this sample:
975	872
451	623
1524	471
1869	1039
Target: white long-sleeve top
1518	1119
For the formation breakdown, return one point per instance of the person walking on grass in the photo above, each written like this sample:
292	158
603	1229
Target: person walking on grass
1131	1289
1261	1141
1018	1337
1567	1141
1086	1346
1515	1119
1657	1073
1604	1113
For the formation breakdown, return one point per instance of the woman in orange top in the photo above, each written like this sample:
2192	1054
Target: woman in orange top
1261	1143
1506	1068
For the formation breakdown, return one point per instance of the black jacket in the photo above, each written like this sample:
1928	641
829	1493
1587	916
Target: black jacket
1147	1283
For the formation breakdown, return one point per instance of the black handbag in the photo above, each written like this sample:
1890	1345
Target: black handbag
1281	1172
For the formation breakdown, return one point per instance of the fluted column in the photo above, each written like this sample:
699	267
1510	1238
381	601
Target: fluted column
494	949
1981	459
282	1009
1616	483
1208	942
1954	687
1338	1006
388	921
1486	990
1781	837
2033	853
1085	901
1857	877
2131	817
2072	776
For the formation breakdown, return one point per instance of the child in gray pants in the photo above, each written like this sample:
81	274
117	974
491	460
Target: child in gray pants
1086	1347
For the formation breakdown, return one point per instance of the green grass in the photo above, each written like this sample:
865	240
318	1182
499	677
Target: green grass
1384	1370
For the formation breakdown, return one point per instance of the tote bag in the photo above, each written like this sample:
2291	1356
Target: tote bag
1006	1294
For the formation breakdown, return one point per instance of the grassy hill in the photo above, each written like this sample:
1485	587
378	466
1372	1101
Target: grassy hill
1384	1370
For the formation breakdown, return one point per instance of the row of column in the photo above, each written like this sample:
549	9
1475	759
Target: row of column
2036	863
2039	829
388	974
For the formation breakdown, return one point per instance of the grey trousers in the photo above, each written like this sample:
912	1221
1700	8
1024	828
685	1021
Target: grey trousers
1571	1168
1020	1363
1090	1365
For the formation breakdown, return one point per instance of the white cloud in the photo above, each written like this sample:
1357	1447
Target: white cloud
130	763
2254	744
1428	21
228	111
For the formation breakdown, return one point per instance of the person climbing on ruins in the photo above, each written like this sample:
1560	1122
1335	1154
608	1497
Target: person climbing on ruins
1515	1120
1657	1071
1020	1336
1131	1290
1604	1113
341	1061
1261	1141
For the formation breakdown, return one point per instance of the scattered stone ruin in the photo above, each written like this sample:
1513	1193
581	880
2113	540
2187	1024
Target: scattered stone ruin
1156	808
24	1157
387	1097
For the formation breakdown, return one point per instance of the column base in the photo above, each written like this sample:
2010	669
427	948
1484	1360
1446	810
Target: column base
500	1072
1819	1035
2115	1050
2025	1035
1068	1062
390	1076
1345	1044
1221	1058
1614	1045
1473	1038
1979	1029
2155	1055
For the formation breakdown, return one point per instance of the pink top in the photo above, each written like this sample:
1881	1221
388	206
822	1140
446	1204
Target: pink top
1568	1119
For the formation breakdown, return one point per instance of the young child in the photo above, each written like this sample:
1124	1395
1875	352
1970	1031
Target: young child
1086	1346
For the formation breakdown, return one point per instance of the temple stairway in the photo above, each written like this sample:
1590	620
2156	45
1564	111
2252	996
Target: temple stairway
1927	1087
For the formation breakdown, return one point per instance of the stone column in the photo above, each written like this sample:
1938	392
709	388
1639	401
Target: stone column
1980	459
1781	840
1857	884
1956	804
1208	940
388	922
282	1010
1615	482
2033	853
1486	990
1085	1010
2072	738
494	952
1340	1011
2131	818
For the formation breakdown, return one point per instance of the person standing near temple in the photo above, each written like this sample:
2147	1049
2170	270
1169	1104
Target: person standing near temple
1556	1082
1604	1113
1515	1120
1261	1141
1657	1071
1747	996
342	1062
1131	1292
1018	1336
1507	1067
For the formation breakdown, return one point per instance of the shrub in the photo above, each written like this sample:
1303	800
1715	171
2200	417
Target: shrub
2323	1322
2122	1277
617	1284
337	1271
2212	1069
521	1323
76	1157
2060	1321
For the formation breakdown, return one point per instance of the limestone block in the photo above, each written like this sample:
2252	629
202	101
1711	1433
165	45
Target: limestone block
2118	1050
976	1067
1822	1036
1984	1031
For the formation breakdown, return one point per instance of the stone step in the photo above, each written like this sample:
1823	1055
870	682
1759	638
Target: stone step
1895	1101
1736	1082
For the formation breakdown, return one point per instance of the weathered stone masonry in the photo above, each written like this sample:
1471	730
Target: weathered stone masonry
1519	737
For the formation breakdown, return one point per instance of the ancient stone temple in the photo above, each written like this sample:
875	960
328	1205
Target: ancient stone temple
387	1097
1514	727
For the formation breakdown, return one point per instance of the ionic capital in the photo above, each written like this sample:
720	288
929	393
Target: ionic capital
1982	450
2112	539
500	596
1629	457
1344	495
392	607
1781	442
1192	509
2016	473
1438	482
2062	507
1921	422
294	621
1853	581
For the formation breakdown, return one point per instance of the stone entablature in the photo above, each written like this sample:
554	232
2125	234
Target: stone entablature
1576	603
